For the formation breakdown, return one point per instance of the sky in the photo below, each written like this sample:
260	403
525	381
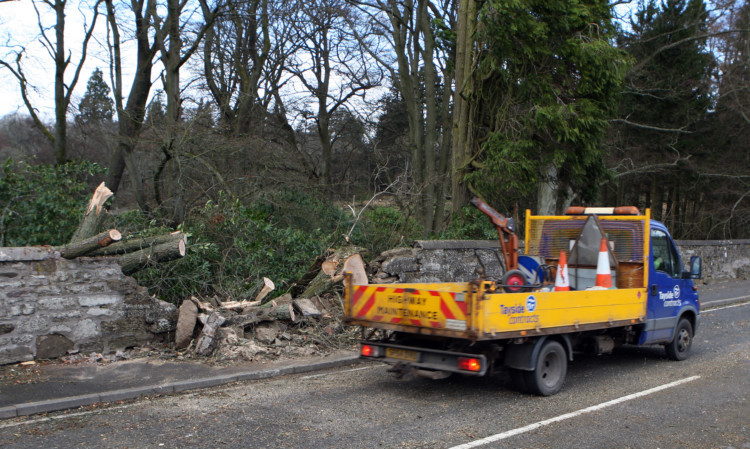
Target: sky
19	29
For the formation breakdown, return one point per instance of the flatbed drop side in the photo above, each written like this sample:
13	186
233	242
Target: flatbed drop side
475	328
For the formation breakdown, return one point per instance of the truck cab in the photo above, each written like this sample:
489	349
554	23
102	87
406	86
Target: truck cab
672	297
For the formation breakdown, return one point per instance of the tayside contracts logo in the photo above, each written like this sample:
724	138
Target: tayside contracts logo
671	298
516	313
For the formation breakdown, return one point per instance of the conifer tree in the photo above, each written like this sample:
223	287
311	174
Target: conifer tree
547	83
96	106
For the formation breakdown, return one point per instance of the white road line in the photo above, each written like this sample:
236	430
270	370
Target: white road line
65	416
725	307
594	408
313	376
736	298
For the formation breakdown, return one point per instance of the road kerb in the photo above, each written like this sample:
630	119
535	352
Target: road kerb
55	405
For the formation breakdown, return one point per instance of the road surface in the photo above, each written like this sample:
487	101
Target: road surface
634	398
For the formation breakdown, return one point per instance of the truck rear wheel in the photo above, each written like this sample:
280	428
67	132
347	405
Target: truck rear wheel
679	348
551	366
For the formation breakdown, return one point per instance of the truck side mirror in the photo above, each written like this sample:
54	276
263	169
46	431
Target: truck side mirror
696	267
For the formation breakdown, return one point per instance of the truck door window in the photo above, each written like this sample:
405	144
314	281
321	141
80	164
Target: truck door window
664	253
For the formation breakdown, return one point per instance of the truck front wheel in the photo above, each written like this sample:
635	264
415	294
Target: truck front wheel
679	348
551	366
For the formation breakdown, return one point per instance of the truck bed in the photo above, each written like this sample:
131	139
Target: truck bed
474	311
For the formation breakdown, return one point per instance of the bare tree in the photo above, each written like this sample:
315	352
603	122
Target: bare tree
331	66
174	33
130	115
56	49
415	46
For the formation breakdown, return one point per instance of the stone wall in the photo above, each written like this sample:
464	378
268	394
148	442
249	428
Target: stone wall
50	306
458	260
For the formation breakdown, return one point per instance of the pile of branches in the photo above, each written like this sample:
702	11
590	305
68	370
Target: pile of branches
134	252
203	326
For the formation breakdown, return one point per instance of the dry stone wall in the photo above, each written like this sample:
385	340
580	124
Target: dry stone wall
458	260
50	306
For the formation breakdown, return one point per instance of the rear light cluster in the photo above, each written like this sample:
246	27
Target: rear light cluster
371	351
469	364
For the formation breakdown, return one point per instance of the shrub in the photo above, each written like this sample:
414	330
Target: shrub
232	246
385	227
43	204
470	224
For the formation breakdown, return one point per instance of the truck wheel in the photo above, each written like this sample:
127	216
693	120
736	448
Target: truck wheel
679	348
514	281
551	366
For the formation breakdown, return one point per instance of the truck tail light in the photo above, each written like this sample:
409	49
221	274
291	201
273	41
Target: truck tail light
371	351
469	364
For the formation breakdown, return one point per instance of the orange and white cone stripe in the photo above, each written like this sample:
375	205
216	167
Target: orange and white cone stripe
603	272
562	284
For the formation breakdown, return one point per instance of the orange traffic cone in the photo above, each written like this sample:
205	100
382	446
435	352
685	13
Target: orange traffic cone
562	284
603	273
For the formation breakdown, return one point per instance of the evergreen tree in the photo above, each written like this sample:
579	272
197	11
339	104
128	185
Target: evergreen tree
156	115
668	94
96	105
547	84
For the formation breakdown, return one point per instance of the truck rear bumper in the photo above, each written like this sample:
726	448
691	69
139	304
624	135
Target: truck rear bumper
424	358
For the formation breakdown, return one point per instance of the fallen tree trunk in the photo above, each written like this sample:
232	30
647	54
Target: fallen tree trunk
87	246
132	262
130	245
93	217
327	277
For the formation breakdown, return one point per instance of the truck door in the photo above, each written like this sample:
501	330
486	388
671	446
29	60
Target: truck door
668	292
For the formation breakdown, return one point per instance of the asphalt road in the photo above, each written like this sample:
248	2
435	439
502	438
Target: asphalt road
634	398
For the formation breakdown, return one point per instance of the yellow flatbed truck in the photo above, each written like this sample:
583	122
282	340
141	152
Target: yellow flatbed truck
477	327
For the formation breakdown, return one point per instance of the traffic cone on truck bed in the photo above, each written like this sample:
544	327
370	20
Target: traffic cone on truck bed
603	272
562	284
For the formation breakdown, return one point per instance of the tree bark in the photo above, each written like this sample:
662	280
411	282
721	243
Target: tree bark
137	244
92	218
86	246
463	141
206	341
130	263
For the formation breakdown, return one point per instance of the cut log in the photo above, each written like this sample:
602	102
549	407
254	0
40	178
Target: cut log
185	324
233	305
272	311
93	217
356	266
130	263
244	319
265	290
207	341
324	282
329	267
133	244
87	246
307	308
204	306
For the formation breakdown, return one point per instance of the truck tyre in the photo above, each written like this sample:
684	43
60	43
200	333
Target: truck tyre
679	348
514	281
551	366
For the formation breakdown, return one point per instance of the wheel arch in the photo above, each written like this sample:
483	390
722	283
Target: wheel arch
690	314
524	356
